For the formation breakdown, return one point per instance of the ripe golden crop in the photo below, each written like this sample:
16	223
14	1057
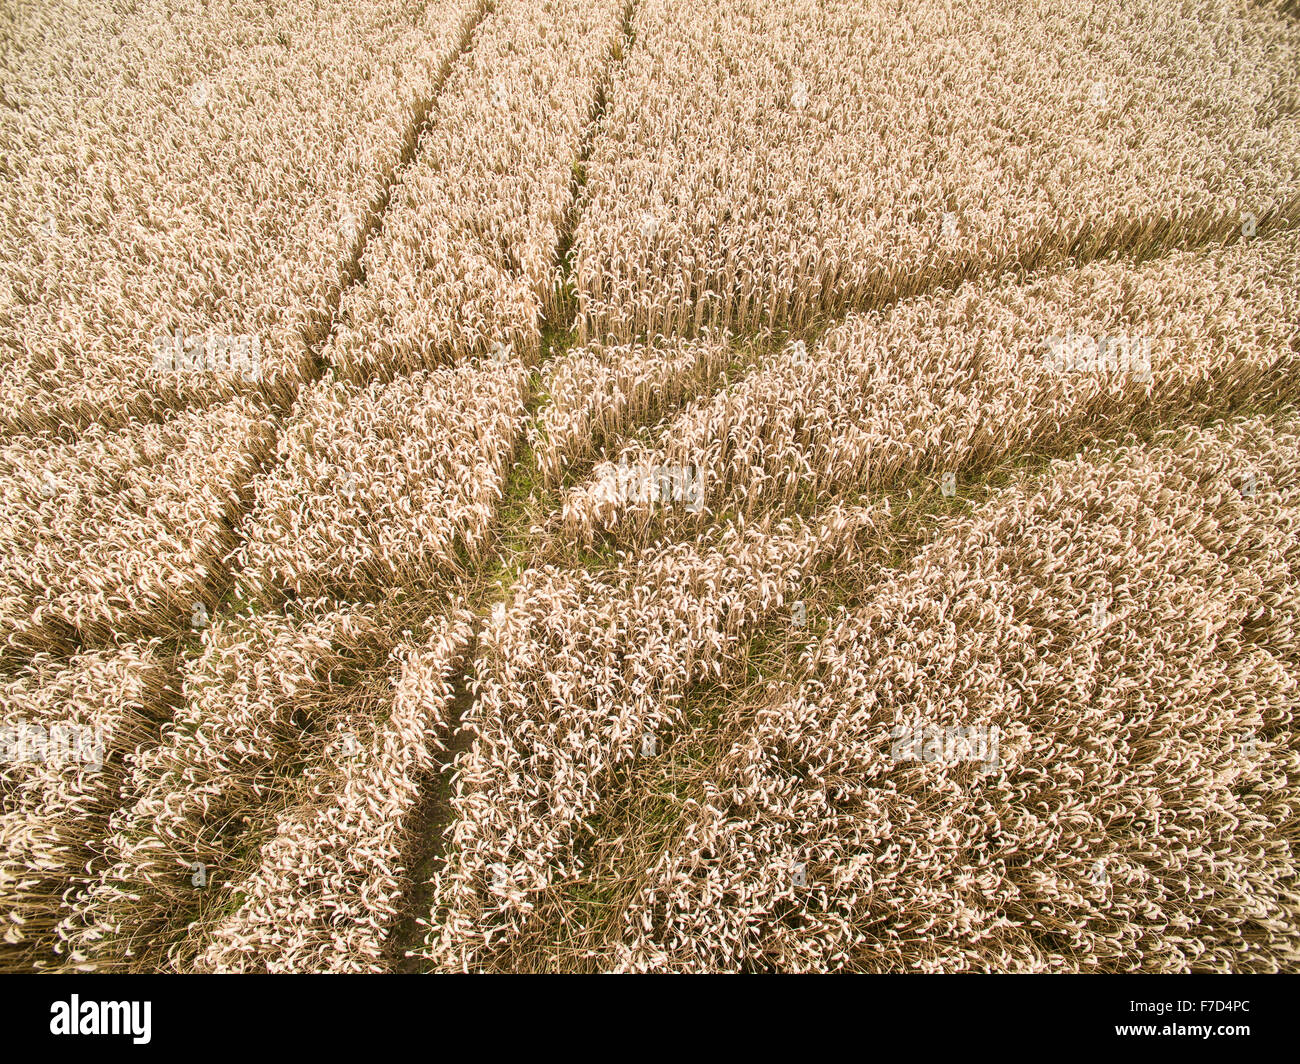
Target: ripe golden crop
649	485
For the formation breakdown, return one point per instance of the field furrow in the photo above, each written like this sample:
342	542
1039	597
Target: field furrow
468	257
324	896
950	382
577	676
271	702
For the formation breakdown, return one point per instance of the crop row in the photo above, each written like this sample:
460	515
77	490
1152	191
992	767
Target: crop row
951	381
205	173
1122	637
748	178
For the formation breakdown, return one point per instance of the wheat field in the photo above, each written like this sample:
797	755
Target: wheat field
569	486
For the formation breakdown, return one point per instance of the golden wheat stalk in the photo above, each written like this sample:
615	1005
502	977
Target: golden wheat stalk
575	676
